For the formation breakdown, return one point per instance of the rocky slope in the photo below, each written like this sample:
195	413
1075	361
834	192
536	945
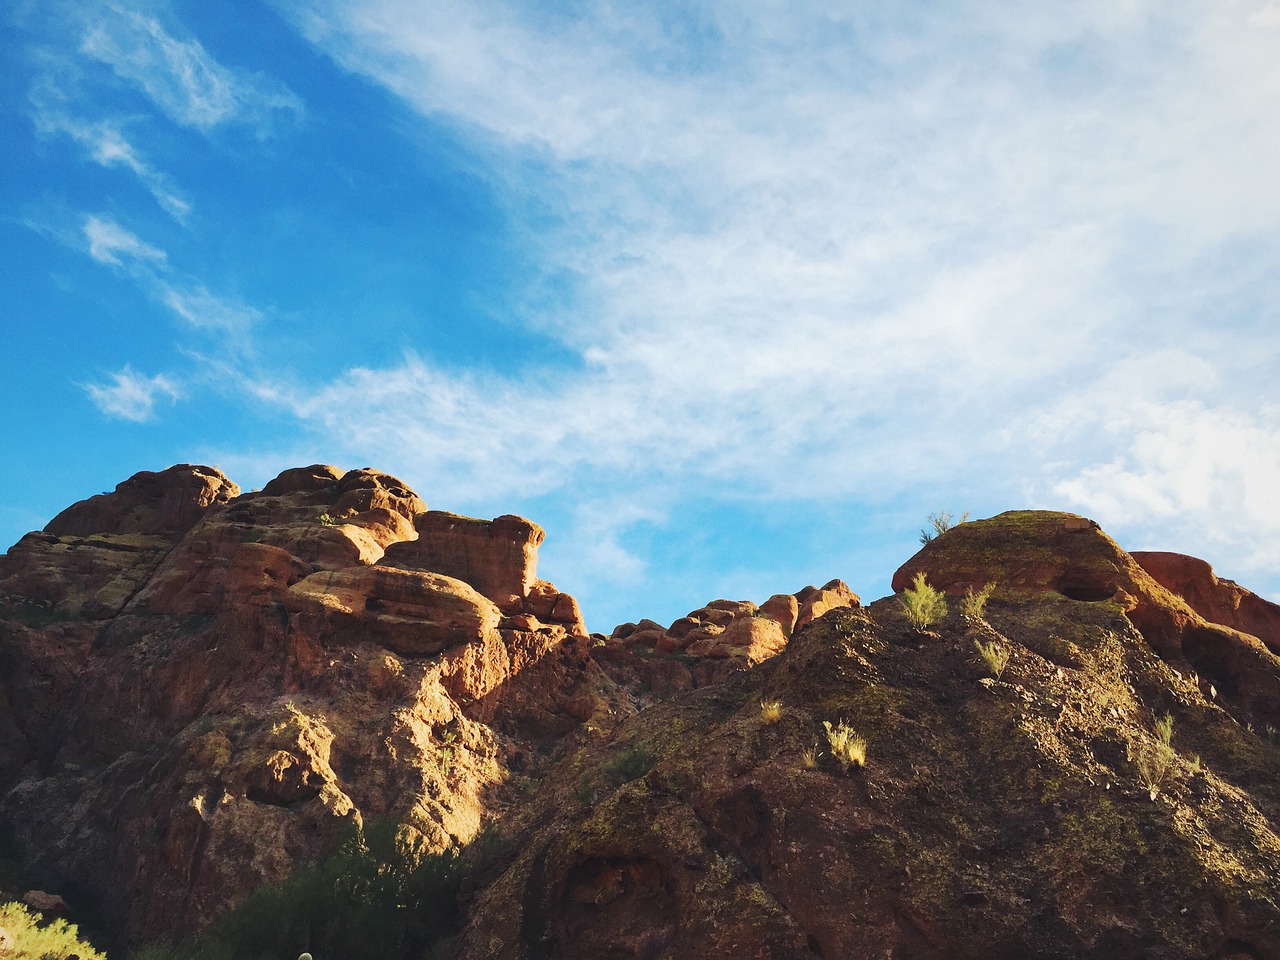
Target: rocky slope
201	686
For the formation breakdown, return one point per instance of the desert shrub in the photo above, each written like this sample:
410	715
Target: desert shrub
923	604
809	758
1155	759
974	605
941	522
994	654
770	711
631	763
32	939
846	746
375	897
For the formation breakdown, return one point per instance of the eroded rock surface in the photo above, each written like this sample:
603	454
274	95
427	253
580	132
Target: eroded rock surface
201	686
1215	599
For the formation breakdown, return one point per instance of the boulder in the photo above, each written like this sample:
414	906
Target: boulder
408	611
813	602
754	639
50	905
784	609
498	557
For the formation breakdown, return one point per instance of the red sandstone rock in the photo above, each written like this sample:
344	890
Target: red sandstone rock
1215	599
1040	553
165	504
321	519
410	612
258	684
497	557
782	608
813	602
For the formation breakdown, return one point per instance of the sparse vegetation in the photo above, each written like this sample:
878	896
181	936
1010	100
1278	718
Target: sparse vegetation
770	711
376	897
809	758
846	745
630	764
995	654
31	939
1155	759
974	604
923	604
941	522
327	520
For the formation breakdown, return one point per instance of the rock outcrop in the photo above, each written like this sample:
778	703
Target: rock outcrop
1038	554
737	630
200	687
1214	599
1041	814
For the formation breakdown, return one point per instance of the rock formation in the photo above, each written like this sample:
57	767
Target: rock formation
201	686
198	695
1218	601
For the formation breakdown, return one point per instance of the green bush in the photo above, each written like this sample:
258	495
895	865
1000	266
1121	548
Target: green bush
31	939
923	605
846	745
1155	760
974	605
995	654
375	897
631	763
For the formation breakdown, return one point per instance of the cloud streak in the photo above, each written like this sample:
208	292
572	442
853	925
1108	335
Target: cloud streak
105	143
847	254
181	78
131	396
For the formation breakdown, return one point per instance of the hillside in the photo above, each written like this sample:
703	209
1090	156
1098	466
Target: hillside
203	689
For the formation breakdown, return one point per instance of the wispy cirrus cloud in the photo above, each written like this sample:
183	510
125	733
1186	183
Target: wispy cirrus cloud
843	253
110	243
131	396
179	75
189	300
105	142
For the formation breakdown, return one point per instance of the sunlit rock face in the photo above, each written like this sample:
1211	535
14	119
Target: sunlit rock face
202	686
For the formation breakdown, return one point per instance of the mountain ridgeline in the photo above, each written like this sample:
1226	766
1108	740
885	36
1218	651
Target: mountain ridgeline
321	717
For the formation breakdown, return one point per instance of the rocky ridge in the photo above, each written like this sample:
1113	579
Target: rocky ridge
196	698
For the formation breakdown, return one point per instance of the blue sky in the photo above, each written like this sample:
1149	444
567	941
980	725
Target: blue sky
727	296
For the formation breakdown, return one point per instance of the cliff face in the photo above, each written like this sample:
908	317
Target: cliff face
201	687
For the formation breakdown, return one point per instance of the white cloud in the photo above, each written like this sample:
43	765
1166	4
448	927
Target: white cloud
109	243
844	253
105	142
1187	477
181	77
131	396
200	308
228	319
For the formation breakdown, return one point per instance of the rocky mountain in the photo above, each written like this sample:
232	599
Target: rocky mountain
203	687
